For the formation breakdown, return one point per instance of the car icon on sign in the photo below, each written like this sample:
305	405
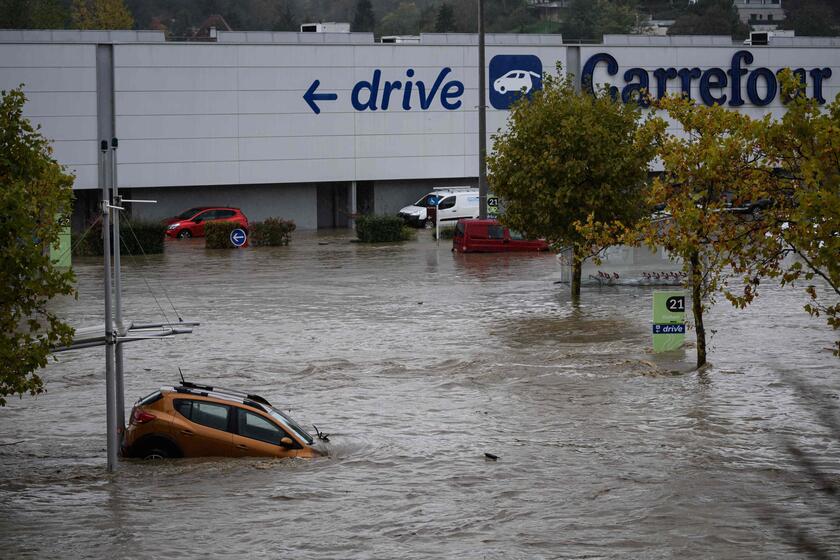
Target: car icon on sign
516	80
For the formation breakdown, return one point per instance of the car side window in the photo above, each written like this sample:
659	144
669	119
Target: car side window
495	232
516	235
447	202
183	407
204	216
220	214
256	427
210	414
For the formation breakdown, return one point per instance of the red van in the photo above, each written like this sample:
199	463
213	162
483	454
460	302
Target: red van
489	236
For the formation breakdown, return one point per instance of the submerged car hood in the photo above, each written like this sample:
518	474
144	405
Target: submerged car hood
412	209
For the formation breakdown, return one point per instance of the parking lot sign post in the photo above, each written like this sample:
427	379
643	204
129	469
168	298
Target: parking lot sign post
668	320
492	206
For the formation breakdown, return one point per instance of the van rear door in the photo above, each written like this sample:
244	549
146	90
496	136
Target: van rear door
484	237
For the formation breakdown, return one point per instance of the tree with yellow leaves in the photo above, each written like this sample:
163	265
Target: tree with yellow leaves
100	14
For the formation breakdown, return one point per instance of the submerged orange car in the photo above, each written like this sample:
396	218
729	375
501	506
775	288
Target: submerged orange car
192	420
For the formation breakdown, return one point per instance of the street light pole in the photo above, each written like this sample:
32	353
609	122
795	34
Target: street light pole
110	337
482	119
118	318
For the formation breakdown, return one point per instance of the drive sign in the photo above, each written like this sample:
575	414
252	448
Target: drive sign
668	320
512	76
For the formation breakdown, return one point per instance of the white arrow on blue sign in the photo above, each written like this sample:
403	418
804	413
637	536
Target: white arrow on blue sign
238	237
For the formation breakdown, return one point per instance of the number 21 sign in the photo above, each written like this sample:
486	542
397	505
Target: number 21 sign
668	320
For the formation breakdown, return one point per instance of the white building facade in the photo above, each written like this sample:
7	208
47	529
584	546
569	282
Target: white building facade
317	127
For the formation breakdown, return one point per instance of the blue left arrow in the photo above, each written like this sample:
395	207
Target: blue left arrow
311	97
238	237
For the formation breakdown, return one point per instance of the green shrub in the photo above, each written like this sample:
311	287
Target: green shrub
136	238
380	229
445	233
271	232
217	235
139	237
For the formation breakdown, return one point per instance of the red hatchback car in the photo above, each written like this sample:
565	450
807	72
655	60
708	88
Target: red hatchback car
489	236
190	223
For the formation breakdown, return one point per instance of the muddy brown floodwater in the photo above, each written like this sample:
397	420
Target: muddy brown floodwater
417	362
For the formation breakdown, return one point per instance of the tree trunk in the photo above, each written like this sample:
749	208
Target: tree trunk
577	264
697	307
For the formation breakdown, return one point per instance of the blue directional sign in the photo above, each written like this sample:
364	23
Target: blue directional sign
311	97
238	237
394	90
512	76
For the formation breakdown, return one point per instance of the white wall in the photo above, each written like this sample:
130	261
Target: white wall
190	114
60	86
235	114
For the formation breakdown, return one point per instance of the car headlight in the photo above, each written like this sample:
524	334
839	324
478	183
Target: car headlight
174	226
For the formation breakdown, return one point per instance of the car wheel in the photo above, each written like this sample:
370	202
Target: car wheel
156	453
429	223
184	234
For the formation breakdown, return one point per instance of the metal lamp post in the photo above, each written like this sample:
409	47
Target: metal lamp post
482	119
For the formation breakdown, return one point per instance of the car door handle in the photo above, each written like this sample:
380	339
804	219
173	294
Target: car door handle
188	432
241	446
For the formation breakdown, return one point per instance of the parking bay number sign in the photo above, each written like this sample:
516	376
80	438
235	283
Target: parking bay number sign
668	320
492	206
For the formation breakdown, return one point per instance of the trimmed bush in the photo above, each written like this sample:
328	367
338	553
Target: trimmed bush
217	235
382	229
271	232
149	239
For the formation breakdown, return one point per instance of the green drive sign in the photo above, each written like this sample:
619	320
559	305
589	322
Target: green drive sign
492	206
668	320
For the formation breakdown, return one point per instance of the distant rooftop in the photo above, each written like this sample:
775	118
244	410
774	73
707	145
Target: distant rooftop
295	38
78	36
711	41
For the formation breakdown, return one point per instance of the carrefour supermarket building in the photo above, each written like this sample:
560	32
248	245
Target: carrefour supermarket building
317	126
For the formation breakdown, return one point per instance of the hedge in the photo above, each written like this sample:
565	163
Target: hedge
380	229
149	239
446	232
217	234
271	232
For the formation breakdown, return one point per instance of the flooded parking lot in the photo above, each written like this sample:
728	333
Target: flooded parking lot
417	362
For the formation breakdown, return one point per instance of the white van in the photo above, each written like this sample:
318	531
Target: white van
456	206
422	212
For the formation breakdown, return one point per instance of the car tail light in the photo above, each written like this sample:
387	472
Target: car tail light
141	416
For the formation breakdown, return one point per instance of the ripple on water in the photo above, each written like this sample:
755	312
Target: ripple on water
418	362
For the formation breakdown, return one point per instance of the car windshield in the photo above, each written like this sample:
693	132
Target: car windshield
188	213
291	424
428	200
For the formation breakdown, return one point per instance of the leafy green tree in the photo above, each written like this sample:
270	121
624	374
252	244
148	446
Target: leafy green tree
569	157
405	20
588	20
445	21
32	14
364	18
101	14
812	17
288	20
34	189
710	17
